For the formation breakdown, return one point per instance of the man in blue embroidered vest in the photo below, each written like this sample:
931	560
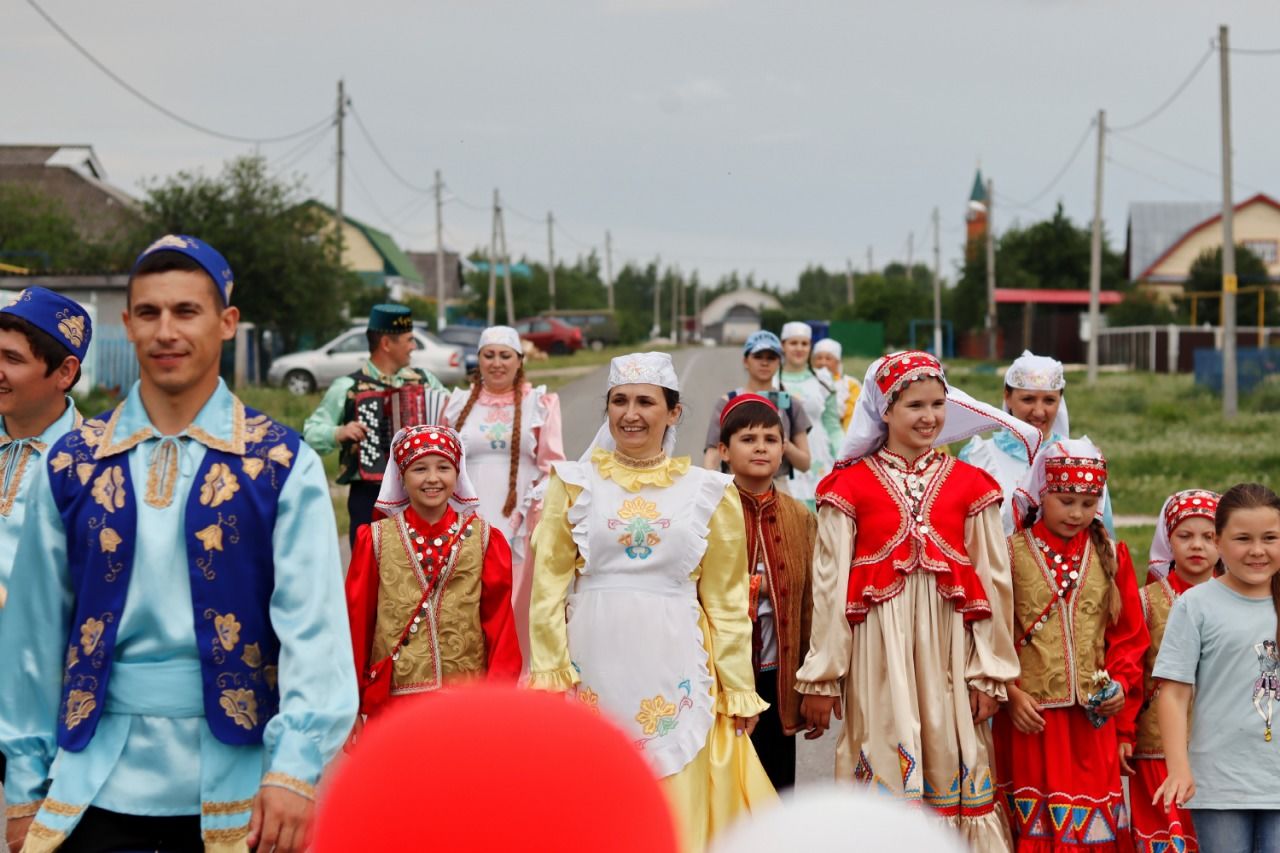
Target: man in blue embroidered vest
177	605
43	339
364	437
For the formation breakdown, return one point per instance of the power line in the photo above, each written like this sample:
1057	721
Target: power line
1153	178
299	152
1075	152
364	131
1255	51
120	81
1186	164
462	201
1182	88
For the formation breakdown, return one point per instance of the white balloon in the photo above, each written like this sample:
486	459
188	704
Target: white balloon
834	818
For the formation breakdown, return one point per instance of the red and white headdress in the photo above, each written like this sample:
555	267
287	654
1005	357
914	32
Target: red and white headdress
885	379
1072	466
1188	503
411	444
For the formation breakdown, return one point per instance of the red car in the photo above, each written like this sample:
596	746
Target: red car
551	335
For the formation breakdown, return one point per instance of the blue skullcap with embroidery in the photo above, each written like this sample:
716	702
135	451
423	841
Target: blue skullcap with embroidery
761	341
390	317
209	259
61	318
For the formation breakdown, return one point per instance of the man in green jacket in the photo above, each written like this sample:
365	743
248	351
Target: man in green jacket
362	432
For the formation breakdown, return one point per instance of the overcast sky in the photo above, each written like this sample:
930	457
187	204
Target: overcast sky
719	135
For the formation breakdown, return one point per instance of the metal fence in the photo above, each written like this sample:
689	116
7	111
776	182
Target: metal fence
111	359
1171	349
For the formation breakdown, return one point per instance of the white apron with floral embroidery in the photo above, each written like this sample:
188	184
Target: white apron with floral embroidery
633	611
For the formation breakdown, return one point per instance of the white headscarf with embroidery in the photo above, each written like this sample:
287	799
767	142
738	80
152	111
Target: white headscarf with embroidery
637	368
1030	372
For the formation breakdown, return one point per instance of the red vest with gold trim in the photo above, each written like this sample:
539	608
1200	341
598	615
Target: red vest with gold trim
891	543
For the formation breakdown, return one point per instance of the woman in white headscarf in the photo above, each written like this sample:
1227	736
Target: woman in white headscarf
815	391
512	434
829	354
911	600
640	601
1034	393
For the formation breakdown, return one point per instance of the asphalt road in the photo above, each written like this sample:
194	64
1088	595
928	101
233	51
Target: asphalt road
705	374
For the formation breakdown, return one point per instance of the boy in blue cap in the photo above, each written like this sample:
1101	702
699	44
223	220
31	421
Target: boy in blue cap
43	340
178	605
334	425
762	357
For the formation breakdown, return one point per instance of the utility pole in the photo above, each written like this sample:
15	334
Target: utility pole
440	318
1230	390
1095	254
871	267
848	281
506	268
608	266
551	259
911	251
337	197
991	270
493	262
937	285
657	298
675	308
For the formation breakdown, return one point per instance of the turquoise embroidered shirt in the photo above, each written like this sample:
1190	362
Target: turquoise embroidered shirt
146	758
19	461
321	427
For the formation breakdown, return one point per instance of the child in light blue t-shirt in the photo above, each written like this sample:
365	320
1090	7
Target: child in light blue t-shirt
1220	645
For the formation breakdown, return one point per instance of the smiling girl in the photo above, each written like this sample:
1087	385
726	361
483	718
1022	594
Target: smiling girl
911	599
1219	651
429	586
1184	554
1080	635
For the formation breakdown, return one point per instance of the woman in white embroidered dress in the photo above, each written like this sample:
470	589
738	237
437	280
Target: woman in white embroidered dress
815	390
640	601
511	432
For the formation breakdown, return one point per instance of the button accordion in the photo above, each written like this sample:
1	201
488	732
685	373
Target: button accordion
385	411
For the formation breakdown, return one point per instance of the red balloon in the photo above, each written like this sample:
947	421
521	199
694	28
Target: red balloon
492	768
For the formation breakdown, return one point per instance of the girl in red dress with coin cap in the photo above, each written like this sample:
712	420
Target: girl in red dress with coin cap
1078	628
429	586
1184	554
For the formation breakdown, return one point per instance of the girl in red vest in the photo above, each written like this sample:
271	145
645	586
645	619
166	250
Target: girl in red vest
911	597
1184	554
1078	627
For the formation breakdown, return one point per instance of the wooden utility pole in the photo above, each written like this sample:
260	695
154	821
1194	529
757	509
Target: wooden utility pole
608	266
440	313
337	196
493	263
551	259
937	284
848	281
911	252
1095	254
991	270
871	267
506	268
657	298
1230	389
675	308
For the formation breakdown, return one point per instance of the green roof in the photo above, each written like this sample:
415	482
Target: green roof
979	189
394	260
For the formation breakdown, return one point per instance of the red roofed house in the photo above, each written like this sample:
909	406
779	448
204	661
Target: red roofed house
1165	238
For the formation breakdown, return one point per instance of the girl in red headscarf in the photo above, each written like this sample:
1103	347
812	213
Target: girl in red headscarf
910	642
429	586
1184	554
1080	635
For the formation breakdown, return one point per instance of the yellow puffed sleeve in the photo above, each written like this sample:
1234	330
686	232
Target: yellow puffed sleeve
555	564
723	592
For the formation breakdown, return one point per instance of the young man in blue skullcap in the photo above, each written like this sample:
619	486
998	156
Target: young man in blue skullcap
43	340
178	605
364	438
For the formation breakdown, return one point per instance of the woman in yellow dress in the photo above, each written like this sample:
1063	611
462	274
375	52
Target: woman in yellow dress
639	602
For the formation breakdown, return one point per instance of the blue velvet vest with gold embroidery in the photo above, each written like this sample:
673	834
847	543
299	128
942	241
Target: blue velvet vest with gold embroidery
229	521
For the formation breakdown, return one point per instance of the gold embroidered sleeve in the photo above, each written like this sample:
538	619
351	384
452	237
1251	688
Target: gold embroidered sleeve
555	562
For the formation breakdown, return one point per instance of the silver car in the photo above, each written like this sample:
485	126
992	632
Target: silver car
309	370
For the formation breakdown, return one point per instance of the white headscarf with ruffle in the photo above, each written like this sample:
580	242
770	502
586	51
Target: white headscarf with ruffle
1030	372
